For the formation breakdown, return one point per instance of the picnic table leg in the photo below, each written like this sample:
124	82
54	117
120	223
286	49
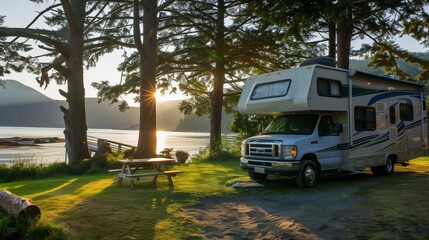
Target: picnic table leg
154	179
170	180
129	171
120	178
133	185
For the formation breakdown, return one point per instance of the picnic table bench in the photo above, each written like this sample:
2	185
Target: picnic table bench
158	166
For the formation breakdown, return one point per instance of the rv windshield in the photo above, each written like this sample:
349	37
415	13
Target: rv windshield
293	124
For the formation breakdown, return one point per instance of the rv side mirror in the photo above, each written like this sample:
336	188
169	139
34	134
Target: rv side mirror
338	128
260	128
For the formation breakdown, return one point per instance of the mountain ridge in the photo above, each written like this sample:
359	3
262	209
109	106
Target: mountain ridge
21	105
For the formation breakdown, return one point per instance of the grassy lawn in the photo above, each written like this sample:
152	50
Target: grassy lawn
93	207
400	206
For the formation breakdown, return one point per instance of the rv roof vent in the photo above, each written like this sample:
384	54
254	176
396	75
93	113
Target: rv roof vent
327	61
396	77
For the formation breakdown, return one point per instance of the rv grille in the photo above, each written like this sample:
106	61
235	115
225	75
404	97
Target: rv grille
263	150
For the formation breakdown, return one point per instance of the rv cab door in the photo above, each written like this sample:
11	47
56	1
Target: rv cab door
329	155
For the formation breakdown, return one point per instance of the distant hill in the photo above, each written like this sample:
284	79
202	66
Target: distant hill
194	123
20	94
23	106
411	69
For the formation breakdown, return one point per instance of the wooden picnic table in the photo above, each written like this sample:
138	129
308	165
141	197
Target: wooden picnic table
157	166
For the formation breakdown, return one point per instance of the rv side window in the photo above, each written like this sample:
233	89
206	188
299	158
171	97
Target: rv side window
328	87
406	111
271	89
326	126
392	114
365	119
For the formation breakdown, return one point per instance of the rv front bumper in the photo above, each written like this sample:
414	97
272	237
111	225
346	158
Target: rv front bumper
270	167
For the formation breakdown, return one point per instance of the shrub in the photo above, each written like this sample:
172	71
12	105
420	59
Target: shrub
23	170
181	156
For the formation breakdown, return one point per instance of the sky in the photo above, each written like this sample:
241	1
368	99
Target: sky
21	12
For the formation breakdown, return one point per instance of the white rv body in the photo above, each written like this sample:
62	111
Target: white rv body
359	120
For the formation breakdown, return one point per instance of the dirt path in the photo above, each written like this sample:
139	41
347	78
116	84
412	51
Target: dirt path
328	211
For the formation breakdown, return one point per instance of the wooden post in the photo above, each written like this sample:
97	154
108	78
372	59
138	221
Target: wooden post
20	208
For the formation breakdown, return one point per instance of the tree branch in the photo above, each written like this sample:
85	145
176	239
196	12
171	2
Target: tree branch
35	34
57	65
164	5
68	13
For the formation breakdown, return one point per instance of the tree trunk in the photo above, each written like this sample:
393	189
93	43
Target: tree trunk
75	116
332	40
219	79
20	208
146	146
344	38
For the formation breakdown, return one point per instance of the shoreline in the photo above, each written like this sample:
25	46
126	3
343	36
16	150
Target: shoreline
27	141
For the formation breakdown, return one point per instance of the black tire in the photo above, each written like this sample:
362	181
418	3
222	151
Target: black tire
257	176
376	170
386	169
307	174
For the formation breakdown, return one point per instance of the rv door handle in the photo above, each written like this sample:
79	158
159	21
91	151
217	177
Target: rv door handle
313	142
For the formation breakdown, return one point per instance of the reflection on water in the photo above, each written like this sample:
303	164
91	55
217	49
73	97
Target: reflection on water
191	142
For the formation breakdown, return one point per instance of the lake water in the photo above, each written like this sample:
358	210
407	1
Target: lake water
55	152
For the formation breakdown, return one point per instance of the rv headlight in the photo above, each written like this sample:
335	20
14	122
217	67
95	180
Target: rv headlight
243	148
289	152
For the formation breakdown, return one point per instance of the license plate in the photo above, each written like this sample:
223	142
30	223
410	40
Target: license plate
259	170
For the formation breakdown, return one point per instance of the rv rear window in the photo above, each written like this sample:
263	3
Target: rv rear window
328	87
406	111
365	119
270	90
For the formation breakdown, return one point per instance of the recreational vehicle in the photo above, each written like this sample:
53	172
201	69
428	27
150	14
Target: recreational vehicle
330	120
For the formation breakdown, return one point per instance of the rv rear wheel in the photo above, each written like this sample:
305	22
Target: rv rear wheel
307	175
386	169
257	176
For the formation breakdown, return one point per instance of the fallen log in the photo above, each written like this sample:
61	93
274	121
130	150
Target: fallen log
22	209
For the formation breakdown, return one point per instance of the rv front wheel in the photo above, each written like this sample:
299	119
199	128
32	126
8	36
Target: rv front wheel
307	174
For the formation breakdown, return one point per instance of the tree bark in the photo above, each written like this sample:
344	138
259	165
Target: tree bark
344	38
146	146
332	40
20	208
75	116
219	79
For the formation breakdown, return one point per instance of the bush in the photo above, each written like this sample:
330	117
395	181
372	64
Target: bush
204	156
181	156
23	170
28	170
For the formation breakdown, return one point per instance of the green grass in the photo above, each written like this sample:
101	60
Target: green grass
94	207
399	205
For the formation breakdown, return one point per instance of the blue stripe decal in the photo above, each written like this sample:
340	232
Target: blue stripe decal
390	94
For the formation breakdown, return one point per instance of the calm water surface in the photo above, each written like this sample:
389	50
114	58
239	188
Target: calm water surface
54	152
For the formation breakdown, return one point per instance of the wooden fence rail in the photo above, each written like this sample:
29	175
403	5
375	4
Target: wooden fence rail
94	144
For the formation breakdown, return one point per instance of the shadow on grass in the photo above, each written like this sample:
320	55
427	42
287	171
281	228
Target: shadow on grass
150	211
44	185
353	206
125	214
